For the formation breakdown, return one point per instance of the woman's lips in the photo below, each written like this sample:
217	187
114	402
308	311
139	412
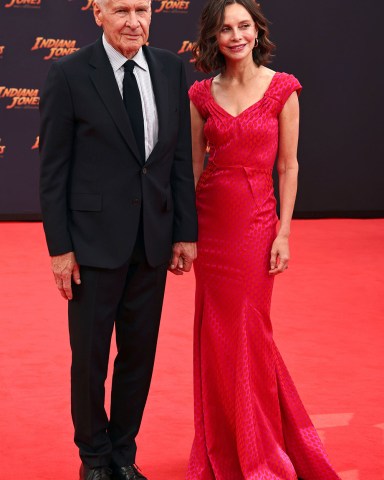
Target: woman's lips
237	48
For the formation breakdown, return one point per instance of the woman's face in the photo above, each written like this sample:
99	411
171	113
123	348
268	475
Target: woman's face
237	36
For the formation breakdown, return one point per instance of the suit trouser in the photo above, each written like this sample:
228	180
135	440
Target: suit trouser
130	298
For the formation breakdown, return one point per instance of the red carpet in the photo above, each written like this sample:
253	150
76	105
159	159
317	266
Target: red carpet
328	317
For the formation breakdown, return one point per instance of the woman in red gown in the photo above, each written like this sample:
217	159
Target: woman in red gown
249	420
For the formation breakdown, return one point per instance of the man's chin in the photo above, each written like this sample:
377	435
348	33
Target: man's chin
130	49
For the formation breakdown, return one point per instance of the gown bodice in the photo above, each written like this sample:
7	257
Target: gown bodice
249	139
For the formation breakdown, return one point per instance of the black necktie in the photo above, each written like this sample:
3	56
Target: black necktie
132	102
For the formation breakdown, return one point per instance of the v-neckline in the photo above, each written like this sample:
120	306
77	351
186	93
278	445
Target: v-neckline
246	109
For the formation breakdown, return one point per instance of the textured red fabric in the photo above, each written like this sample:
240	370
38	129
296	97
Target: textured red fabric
328	323
249	420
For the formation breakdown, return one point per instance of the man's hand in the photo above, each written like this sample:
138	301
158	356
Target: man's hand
65	268
184	253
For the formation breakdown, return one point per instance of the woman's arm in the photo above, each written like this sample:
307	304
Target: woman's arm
287	168
199	143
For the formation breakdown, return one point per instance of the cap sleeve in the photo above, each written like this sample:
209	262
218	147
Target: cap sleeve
198	96
286	85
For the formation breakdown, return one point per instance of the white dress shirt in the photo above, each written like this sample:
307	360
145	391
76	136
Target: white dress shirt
143	78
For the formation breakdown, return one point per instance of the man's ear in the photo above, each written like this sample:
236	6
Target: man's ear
97	14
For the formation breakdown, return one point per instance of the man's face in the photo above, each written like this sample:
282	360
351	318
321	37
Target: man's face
125	23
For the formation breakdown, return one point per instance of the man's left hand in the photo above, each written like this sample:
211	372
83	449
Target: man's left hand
183	255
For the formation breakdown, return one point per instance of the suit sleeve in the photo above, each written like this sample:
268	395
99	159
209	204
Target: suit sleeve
56	143
183	188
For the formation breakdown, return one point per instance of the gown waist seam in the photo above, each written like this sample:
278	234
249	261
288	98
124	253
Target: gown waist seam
211	163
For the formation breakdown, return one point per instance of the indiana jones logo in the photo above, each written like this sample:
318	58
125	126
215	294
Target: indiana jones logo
2	48
57	47
2	149
35	146
187	46
88	5
20	97
167	6
23	4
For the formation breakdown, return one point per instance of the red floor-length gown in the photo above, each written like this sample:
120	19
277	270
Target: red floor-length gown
249	420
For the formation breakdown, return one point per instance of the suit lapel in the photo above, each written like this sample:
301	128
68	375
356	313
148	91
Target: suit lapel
160	89
104	80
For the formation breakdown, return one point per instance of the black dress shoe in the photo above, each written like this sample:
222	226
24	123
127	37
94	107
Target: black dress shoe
127	473
98	473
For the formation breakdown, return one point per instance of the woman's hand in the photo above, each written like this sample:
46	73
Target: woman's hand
279	255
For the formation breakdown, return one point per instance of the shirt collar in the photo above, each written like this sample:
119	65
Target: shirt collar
117	59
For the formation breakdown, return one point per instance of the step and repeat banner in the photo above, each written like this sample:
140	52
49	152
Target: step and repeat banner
341	149
35	33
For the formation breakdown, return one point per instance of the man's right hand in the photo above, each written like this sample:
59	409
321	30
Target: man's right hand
65	268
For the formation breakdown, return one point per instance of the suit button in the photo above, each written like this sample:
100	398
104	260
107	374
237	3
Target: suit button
135	201
144	170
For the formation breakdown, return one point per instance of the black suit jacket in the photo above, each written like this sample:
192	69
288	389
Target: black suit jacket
93	183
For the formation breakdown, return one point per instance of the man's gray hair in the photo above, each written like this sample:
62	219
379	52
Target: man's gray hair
103	2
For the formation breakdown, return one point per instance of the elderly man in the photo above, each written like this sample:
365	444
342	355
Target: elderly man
117	197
